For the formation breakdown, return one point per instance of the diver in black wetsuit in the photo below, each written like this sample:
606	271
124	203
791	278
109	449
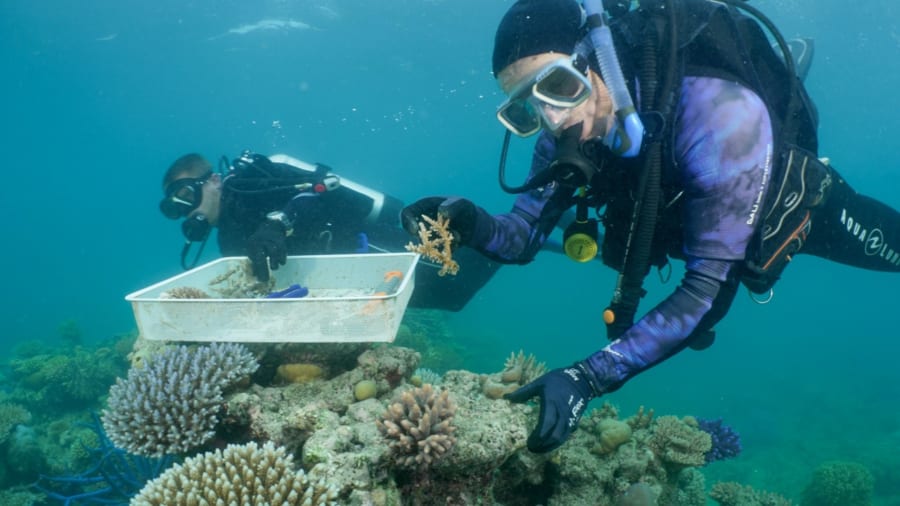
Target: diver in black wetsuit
271	207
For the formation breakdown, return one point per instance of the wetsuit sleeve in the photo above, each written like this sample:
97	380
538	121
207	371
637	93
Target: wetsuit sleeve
723	148
516	237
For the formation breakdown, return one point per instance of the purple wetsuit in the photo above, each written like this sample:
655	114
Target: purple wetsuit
723	159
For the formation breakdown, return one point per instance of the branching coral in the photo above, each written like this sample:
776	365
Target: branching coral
436	243
419	426
679	442
239	474
726	443
184	292
517	371
171	404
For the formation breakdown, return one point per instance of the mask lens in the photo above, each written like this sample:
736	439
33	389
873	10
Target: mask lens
562	86
520	117
182	197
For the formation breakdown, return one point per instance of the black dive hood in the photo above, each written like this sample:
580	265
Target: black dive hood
570	167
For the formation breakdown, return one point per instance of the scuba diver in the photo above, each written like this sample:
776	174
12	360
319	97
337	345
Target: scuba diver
270	207
679	128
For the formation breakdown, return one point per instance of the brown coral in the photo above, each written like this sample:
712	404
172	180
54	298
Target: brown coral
419	426
436	243
239	474
518	370
184	292
679	442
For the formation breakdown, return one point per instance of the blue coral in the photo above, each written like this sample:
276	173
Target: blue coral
171	404
726	443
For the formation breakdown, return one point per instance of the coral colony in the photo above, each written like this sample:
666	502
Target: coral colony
726	443
366	425
435	243
171	404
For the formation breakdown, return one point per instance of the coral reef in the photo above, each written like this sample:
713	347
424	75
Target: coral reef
11	415
679	442
839	483
171	405
518	370
429	333
74	380
726	443
419	426
113	476
436	243
239	474
337	435
735	494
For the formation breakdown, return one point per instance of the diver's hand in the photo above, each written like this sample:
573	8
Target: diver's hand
462	213
267	248
563	394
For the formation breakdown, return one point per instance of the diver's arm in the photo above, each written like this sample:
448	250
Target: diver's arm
517	236
724	146
664	331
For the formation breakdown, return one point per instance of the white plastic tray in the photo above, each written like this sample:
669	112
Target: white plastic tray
342	304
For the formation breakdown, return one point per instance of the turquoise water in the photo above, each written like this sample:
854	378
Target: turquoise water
99	98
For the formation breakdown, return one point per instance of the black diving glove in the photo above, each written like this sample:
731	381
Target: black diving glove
563	394
267	248
462	213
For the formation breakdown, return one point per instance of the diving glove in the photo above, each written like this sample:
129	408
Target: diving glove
462	213
266	248
563	395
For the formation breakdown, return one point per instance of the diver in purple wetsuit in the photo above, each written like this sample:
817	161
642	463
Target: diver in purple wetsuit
738	186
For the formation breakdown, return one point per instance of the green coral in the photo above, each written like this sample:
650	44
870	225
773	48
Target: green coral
839	483
679	442
59	381
10	416
734	494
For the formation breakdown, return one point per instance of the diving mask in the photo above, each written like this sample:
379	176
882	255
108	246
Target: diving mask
546	98
183	196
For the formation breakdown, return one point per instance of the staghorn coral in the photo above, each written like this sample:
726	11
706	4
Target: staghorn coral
171	405
240	474
641	419
735	494
239	282
522	368
518	370
436	243
679	442
184	292
419	426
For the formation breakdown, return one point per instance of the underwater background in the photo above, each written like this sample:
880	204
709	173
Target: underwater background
99	97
